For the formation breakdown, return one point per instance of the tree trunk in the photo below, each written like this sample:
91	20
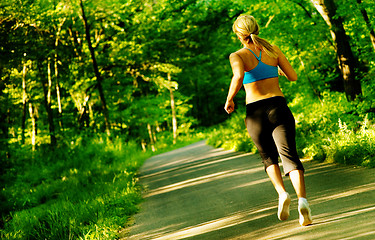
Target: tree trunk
368	23
96	71
58	95
24	102
345	57
47	104
49	77
33	124
173	107
151	138
83	109
143	144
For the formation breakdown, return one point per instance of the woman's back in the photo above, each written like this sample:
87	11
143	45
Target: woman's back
262	82
257	89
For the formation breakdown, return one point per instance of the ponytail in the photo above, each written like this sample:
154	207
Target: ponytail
247	29
263	45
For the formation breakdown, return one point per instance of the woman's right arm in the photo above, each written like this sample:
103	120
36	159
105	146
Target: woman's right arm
236	83
285	66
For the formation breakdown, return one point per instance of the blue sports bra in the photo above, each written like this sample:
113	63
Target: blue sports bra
260	72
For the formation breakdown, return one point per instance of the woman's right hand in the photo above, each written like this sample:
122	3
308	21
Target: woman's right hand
229	106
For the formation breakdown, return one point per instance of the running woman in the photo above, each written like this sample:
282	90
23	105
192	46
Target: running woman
269	120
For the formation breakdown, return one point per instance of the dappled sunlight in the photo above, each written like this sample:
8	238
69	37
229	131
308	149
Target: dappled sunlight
291	230
343	194
92	91
159	165
320	167
210	162
356	234
187	181
192	147
197	180
156	233
214	225
190	163
331	217
253	182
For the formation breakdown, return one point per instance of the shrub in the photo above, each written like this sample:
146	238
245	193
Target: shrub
232	134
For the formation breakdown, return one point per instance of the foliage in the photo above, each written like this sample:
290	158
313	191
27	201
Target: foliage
86	189
232	134
336	130
352	147
137	45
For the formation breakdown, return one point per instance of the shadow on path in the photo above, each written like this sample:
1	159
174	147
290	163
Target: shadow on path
199	192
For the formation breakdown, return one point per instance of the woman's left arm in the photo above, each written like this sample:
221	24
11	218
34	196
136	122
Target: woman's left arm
236	83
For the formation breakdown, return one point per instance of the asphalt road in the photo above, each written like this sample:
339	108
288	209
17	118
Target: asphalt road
199	192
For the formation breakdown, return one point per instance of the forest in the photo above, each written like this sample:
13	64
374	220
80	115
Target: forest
90	89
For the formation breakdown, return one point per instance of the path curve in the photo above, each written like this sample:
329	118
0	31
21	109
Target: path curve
199	192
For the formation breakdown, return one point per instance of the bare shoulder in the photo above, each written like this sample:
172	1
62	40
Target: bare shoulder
237	63
235	56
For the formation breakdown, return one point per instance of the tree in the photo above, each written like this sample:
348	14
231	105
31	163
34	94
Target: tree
346	60
96	70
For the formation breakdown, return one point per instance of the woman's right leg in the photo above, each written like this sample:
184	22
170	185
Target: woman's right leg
284	136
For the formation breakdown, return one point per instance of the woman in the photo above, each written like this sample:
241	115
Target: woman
269	121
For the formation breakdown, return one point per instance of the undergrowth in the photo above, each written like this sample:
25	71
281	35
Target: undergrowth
336	130
86	189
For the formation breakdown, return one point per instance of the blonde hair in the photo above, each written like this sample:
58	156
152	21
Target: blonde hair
247	28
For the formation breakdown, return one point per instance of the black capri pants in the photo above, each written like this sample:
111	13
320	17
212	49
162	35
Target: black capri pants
271	126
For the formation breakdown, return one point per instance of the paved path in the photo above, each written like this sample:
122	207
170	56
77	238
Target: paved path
199	192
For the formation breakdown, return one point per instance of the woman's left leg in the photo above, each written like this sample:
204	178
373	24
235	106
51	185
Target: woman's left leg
284	136
298	180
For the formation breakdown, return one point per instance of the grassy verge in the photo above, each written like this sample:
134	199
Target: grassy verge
86	189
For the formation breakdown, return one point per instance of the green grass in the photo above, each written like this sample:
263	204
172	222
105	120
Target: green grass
86	189
81	191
